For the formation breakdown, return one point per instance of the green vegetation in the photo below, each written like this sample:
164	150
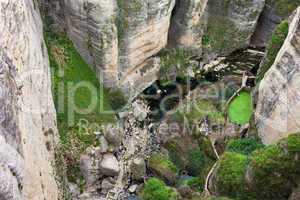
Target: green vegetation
162	167
156	189
73	81
240	108
196	162
174	63
117	99
221	35
231	174
273	171
243	146
196	111
273	47
285	7
276	169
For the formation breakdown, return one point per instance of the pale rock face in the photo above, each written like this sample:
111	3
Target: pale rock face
188	24
277	113
91	26
31	129
143	31
230	25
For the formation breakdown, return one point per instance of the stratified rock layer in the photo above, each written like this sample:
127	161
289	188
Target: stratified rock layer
277	113
27	114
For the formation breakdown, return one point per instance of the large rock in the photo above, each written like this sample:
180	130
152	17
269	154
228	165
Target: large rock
188	24
91	26
230	25
278	105
109	165
117	38
27	114
273	13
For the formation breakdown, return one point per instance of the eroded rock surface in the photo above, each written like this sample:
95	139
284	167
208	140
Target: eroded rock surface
278	103
230	25
27	114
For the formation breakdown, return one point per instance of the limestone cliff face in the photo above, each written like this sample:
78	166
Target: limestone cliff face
143	31
116	37
273	13
278	105
230	25
188	24
27	114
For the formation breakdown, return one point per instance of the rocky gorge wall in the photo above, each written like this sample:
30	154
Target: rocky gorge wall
121	38
278	102
27	115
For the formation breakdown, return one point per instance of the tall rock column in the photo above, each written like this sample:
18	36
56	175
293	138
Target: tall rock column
277	112
91	25
188	24
230	25
28	119
143	27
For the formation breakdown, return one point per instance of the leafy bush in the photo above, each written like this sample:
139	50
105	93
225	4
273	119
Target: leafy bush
244	146
276	169
196	162
162	167
273	47
174	63
156	189
231	174
117	99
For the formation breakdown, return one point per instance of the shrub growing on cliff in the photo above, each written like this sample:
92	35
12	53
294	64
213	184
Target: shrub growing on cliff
161	166
276	169
231	174
273	47
244	146
156	189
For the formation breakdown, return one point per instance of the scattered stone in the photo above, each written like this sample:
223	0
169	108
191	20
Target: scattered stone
74	190
132	188
113	135
107	184
89	168
140	111
103	145
109	165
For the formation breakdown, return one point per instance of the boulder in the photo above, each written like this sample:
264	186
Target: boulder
277	107
107	184
89	169
109	166
138	169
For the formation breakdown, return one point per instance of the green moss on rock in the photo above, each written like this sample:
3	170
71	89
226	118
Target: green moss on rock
273	47
276	169
162	167
231	174
244	146
156	189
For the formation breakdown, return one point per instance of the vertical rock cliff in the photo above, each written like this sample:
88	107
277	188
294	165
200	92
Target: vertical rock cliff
27	114
278	105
